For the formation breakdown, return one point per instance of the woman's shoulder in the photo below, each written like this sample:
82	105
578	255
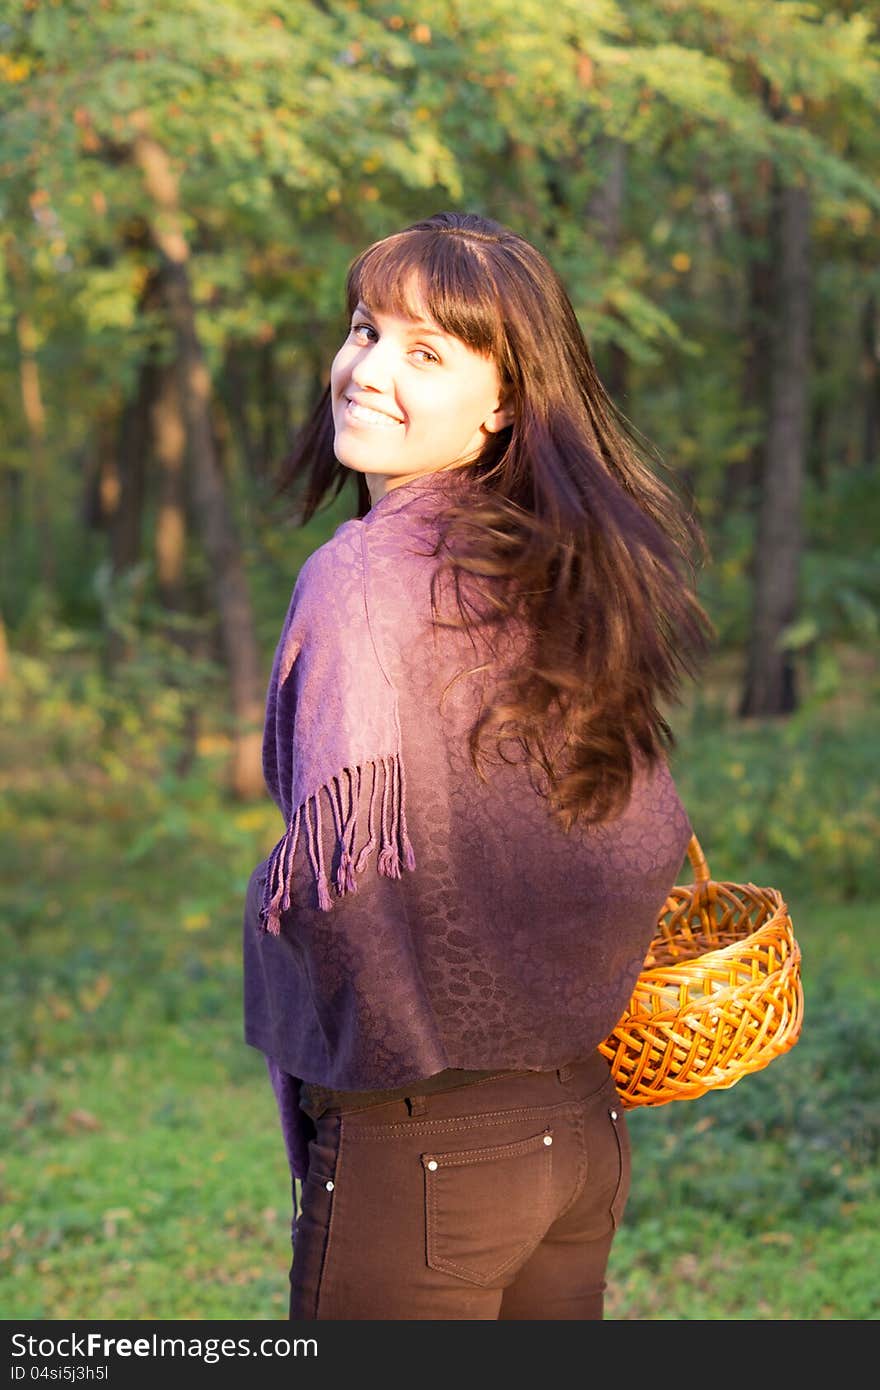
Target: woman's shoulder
332	564
344	546
382	562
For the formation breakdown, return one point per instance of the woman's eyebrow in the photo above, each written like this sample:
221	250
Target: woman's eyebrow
428	330
421	328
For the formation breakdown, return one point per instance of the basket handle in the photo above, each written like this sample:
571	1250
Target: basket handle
699	863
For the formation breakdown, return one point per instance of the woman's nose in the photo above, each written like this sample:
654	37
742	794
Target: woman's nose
372	369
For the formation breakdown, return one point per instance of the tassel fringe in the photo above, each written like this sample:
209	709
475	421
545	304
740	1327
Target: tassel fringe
343	794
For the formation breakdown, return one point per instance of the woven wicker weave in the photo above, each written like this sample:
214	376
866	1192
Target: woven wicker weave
719	995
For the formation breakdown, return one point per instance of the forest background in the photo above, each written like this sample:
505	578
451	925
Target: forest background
182	187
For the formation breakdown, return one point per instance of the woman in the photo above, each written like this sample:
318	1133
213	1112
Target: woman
481	827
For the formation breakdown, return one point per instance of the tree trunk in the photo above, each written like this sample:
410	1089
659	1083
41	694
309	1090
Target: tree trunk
818	462
272	431
169	448
36	480
770	687
132	449
13	505
237	388
173	507
12	549
99	484
218	532
742	478
118	500
35	415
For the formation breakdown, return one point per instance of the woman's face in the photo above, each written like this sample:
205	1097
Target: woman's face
409	398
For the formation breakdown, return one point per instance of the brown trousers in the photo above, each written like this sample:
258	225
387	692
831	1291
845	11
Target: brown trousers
497	1200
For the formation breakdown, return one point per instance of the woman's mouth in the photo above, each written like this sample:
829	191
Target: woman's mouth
364	415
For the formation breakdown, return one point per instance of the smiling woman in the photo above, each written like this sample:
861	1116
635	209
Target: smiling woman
462	736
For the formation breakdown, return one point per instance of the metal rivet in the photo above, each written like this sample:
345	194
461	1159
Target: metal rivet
432	1164
548	1138
614	1114
329	1186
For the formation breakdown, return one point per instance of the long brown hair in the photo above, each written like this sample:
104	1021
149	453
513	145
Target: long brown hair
568	526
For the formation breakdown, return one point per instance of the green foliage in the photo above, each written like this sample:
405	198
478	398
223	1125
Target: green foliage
839	575
793	803
298	137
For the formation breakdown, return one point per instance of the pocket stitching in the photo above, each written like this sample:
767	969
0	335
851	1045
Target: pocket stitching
450	1266
617	1206
323	1271
458	1158
401	1129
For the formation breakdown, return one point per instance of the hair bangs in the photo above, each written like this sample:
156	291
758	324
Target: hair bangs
430	273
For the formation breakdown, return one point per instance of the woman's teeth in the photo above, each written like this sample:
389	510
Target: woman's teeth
365	416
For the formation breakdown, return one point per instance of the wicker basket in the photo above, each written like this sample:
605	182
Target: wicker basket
719	995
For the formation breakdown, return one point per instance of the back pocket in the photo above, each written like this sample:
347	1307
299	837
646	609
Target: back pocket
487	1209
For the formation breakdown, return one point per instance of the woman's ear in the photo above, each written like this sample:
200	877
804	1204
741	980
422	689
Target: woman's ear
501	416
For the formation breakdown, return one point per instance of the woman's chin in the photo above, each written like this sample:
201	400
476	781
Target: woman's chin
364	456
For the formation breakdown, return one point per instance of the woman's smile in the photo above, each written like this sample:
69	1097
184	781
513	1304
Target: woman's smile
357	412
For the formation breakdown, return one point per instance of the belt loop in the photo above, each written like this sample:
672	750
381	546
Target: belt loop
416	1105
564	1073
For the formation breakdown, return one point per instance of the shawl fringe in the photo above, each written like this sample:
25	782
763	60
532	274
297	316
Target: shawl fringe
343	794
